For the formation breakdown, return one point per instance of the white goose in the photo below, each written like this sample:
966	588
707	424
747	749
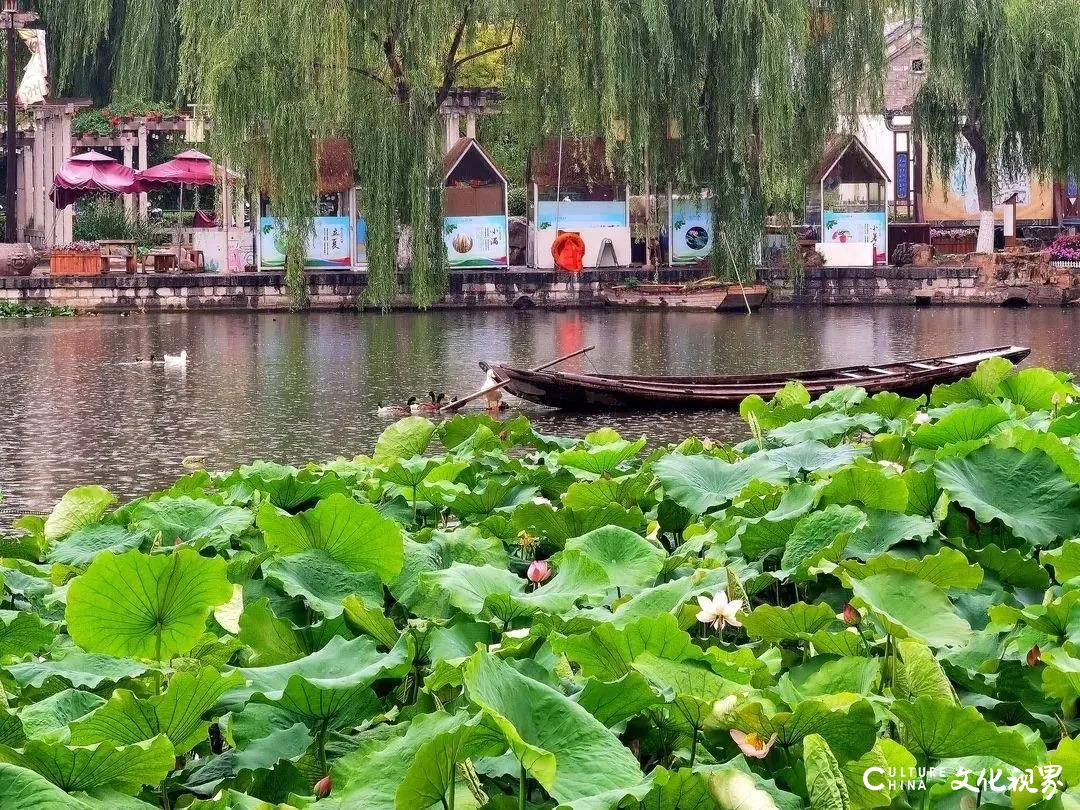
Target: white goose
176	360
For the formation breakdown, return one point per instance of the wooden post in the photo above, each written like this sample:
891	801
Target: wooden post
1010	221
129	200
41	183
48	167
63	145
11	224
25	191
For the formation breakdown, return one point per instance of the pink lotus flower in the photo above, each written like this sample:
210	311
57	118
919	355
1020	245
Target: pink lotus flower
719	611
539	571
751	744
851	615
323	787
1034	656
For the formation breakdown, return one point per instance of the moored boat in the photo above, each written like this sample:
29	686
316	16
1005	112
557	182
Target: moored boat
696	297
572	391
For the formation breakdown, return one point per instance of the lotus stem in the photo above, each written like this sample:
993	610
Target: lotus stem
521	789
693	747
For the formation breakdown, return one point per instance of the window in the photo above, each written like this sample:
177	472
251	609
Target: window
917	66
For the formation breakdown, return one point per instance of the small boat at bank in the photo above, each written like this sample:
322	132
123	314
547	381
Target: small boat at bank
583	392
706	296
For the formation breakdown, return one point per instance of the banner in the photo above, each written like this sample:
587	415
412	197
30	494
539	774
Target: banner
360	253
34	86
475	241
863	226
574	214
329	244
691	230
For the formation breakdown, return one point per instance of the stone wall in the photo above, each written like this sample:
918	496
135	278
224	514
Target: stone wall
519	288
988	280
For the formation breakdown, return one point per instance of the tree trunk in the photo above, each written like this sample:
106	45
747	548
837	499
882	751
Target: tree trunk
984	189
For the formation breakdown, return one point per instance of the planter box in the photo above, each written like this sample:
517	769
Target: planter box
954	245
74	263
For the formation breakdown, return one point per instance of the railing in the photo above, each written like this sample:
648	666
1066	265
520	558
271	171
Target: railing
1065	264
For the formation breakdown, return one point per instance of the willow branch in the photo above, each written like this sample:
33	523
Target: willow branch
501	47
450	63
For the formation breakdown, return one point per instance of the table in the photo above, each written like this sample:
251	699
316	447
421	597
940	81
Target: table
108	247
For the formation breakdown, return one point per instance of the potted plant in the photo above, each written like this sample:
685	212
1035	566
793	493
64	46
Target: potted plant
76	259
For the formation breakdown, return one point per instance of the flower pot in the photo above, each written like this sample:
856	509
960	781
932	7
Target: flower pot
74	263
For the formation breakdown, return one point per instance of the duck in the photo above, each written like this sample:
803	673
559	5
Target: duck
429	408
177	360
395	411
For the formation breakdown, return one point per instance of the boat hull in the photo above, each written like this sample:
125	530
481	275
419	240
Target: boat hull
585	392
713	298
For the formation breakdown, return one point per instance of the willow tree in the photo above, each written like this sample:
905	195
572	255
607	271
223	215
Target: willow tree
751	88
1001	92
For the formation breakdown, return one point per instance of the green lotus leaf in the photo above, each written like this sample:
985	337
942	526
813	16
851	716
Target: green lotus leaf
404	439
1065	560
790	623
370	620
53	714
144	606
323	582
273	640
1013	568
911	607
844	642
82	545
846	722
883	530
12	732
920	674
948	568
415	765
1067	757
199	522
983	384
556	526
1067	422
79	507
1025	491
626	491
615	702
960	425
889	405
78	669
735	789
177	712
354	534
702	483
608	652
934	728
692	687
491	496
23	634
602	458
1061	678
814	456
886	754
820	535
263	737
590	759
684	789
409	472
461	427
822	676
26	789
867	484
1036	389
824	779
577	578
825	427
760	537
286	486
628	559
124	767
1027	440
469	586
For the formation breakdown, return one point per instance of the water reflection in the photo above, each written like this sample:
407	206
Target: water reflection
297	387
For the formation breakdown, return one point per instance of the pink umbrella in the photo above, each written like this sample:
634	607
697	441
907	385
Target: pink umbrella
89	172
190	168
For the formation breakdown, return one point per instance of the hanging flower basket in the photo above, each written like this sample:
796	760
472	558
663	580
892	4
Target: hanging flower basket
76	259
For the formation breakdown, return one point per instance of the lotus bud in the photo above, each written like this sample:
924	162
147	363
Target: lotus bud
723	708
852	617
323	787
1034	656
921	418
539	571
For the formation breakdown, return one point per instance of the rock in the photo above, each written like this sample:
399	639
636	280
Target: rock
17	260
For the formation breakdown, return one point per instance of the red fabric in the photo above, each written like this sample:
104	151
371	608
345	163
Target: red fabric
568	250
191	168
89	172
204	219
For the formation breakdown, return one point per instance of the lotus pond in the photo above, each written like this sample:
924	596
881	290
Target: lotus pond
872	602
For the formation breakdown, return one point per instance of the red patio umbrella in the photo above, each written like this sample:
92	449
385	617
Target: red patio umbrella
89	172
190	168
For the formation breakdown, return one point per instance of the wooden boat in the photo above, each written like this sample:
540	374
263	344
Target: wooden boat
571	391
694	297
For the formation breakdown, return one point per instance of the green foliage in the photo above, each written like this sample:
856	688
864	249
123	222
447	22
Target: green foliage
375	620
103	217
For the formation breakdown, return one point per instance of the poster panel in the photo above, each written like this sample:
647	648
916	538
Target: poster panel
328	248
479	241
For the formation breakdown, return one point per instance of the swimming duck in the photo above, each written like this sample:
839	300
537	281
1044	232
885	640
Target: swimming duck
429	408
177	360
395	411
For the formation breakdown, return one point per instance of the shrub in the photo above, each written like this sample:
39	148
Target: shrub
1066	248
103	217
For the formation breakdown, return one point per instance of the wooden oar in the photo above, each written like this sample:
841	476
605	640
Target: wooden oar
457	403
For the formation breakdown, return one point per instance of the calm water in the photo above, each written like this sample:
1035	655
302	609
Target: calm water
297	387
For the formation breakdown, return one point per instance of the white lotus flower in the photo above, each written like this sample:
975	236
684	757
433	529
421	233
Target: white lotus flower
751	744
724	707
891	465
719	611
921	418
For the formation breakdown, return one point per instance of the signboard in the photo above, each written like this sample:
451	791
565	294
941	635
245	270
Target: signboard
691	230
360	251
475	241
863	226
574	214
903	176
329	244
